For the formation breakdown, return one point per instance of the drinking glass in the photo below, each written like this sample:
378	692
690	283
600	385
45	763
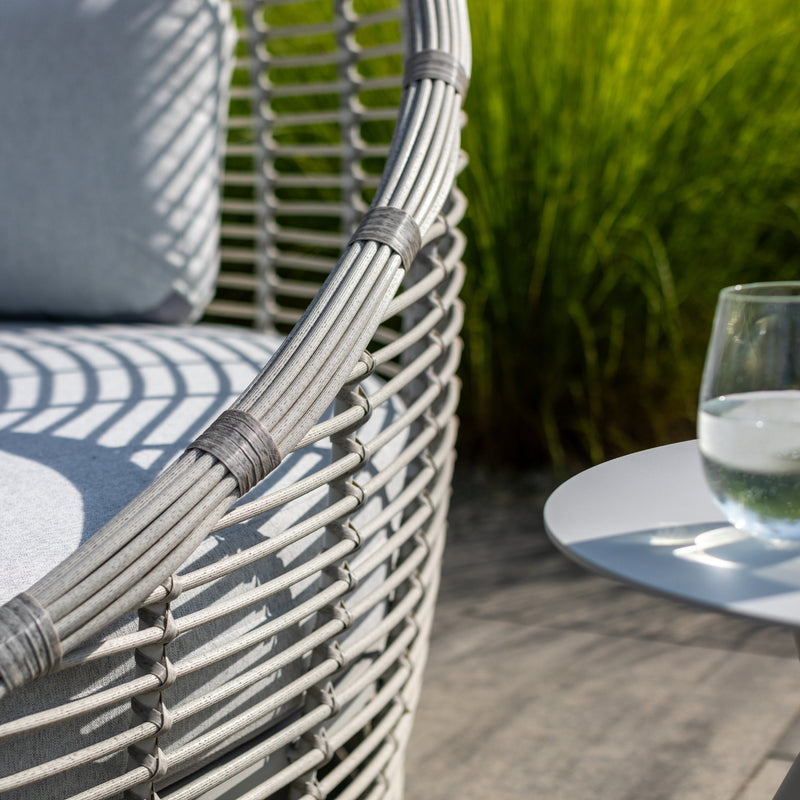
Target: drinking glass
748	424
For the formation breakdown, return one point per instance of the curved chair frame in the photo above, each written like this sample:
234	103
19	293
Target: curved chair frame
402	262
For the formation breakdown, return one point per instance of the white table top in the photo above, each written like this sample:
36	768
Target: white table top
648	519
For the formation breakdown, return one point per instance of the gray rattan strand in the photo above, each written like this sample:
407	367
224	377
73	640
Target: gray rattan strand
327	614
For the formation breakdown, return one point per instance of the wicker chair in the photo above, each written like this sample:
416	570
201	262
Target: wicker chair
204	643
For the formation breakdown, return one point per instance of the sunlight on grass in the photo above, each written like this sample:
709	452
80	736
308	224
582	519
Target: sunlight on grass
628	158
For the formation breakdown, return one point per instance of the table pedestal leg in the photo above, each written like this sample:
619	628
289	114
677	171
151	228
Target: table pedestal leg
790	788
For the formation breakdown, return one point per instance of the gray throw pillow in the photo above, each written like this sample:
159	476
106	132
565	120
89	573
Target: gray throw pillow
112	115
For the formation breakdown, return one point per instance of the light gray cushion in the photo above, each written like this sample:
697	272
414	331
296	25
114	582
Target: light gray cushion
89	415
111	115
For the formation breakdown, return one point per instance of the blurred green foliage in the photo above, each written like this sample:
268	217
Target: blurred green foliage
628	158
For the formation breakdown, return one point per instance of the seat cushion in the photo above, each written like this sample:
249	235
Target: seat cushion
89	414
112	120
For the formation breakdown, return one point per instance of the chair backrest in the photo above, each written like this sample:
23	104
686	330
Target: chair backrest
352	242
314	102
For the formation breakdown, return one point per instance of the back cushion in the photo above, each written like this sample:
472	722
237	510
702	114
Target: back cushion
111	122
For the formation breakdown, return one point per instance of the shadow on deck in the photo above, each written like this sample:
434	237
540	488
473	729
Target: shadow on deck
547	682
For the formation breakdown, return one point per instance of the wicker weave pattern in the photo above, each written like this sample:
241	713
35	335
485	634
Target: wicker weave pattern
311	136
340	729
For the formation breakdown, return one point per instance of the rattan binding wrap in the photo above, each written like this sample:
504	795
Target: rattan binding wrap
243	445
439	66
29	645
392	227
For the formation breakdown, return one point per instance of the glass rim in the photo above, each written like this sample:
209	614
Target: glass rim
764	291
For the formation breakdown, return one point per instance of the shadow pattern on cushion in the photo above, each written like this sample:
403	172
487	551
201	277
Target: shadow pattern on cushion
113	116
88	416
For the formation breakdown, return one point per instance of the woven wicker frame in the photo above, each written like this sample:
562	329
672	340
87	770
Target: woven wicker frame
383	299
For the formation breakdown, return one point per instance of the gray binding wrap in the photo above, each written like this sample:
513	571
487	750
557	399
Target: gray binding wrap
439	66
242	444
29	644
393	227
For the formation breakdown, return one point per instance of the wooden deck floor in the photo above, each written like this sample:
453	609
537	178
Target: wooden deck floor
545	682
